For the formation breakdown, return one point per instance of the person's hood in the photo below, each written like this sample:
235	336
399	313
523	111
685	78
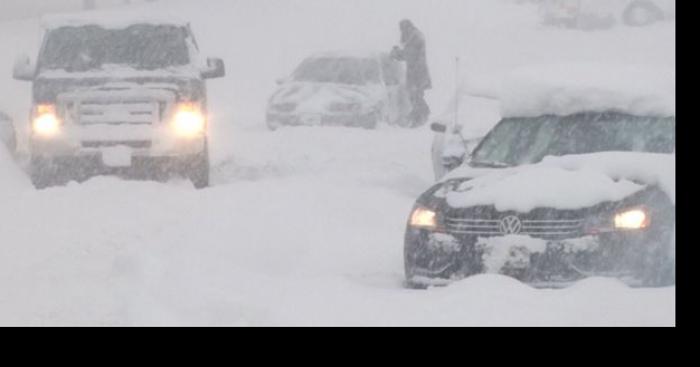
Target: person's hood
317	97
569	182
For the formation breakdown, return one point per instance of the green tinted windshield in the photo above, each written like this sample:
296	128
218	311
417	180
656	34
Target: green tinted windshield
516	141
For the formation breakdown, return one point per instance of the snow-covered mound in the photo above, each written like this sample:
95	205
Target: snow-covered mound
566	89
12	179
569	182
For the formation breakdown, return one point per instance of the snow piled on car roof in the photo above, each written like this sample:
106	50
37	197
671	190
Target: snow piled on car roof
569	182
109	20
566	89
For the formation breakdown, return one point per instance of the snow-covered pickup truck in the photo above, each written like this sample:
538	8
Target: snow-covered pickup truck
341	89
8	137
577	180
118	95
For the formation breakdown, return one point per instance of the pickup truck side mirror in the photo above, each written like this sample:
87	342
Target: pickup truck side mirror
24	69
215	69
438	127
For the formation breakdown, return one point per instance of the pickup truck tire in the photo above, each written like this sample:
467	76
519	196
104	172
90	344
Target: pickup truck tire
43	173
199	169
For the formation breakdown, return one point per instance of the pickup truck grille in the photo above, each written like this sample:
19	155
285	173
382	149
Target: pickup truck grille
120	113
548	229
117	103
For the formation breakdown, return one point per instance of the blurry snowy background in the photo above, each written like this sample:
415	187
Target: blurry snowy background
303	226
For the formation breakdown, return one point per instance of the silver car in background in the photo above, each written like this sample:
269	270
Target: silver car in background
341	88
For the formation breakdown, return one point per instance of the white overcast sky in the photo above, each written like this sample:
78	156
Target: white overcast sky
12	9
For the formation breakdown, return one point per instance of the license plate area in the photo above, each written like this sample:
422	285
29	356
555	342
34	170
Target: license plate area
117	156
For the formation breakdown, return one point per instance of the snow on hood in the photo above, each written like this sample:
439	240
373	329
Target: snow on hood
572	88
316	97
569	182
124	72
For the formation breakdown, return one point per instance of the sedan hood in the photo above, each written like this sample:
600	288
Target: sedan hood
569	182
317	97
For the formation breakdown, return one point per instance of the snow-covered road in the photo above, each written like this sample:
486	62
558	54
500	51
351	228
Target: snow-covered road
299	239
303	226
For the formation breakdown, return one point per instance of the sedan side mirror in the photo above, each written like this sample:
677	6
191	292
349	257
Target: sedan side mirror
24	69
215	69
438	127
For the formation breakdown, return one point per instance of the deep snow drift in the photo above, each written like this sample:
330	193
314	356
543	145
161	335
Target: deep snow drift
250	253
303	226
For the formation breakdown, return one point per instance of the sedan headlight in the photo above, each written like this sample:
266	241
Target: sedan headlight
46	122
189	121
424	218
632	219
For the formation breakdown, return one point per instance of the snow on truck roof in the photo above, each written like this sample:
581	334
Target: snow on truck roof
108	20
573	88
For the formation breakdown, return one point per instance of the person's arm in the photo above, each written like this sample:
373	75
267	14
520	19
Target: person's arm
397	54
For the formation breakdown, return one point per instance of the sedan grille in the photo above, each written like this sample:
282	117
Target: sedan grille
534	228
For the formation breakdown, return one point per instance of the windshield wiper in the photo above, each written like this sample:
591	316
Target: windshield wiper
489	164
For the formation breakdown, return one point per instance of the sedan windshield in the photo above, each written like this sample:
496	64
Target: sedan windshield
517	141
339	70
143	47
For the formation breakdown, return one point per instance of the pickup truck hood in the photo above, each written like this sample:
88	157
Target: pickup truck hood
569	182
186	82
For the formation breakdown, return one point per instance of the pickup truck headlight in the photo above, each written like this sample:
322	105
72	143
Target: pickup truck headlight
46	122
189	121
424	218
632	219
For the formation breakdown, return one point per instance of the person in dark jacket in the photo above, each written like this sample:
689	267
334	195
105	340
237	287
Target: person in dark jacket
413	52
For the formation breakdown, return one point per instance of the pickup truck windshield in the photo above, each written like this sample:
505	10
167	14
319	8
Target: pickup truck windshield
142	47
516	141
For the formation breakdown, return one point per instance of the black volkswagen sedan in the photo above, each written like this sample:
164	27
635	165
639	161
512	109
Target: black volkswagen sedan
553	199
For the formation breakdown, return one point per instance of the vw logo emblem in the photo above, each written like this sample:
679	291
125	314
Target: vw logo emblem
511	225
